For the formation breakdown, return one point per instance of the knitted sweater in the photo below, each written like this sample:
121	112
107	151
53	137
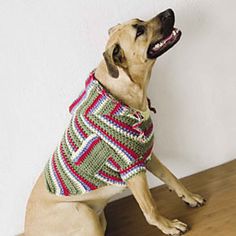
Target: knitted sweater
106	142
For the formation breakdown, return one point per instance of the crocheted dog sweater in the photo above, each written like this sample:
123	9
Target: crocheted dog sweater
106	142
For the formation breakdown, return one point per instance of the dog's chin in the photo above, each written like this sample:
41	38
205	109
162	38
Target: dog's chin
157	48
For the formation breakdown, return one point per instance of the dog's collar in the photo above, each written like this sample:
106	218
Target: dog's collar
144	114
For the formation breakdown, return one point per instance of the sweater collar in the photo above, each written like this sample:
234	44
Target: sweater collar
92	82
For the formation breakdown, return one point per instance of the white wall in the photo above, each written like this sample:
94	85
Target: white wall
47	49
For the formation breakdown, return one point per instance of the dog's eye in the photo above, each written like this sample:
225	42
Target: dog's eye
140	29
116	49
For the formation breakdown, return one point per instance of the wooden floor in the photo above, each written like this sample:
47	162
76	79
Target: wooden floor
216	218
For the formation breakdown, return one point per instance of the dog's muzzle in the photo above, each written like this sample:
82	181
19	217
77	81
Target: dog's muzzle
170	35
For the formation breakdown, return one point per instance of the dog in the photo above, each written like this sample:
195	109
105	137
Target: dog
108	146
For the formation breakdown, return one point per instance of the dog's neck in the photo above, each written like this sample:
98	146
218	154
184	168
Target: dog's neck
127	90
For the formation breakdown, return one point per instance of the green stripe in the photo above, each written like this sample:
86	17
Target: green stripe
71	187
49	181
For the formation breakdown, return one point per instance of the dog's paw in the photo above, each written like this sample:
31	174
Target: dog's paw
193	200
173	227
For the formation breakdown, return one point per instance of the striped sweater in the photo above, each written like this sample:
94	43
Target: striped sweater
106	142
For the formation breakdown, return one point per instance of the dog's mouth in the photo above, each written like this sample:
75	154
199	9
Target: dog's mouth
159	47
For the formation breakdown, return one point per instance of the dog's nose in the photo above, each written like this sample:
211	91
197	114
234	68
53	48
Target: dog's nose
166	16
167	19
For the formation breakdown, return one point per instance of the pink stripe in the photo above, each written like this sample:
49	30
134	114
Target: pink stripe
90	185
94	103
110	176
114	163
79	127
72	106
117	107
119	123
89	80
65	190
85	154
130	167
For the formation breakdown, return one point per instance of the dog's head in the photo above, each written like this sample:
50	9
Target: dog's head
134	45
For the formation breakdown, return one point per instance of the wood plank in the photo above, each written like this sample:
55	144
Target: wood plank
217	217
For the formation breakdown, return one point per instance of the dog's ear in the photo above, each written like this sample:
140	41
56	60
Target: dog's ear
114	56
113	29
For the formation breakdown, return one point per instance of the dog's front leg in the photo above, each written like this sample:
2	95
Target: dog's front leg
139	187
160	171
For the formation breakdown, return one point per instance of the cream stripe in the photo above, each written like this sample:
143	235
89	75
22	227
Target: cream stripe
111	166
82	146
58	191
67	143
132	172
107	181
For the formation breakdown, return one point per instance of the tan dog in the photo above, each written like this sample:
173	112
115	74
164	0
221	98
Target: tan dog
125	71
